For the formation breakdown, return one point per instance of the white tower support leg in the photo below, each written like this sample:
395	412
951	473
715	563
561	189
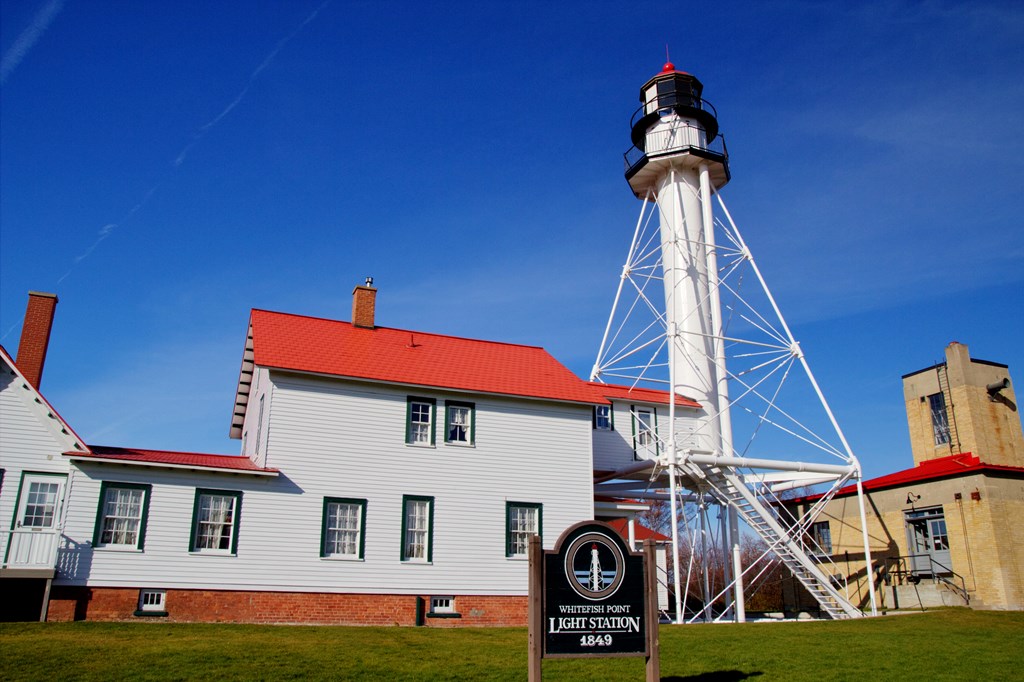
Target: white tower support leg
737	568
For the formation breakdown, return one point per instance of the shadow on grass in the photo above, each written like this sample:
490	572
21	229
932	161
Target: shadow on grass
716	676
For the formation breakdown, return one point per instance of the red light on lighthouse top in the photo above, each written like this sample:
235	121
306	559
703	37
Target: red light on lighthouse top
671	68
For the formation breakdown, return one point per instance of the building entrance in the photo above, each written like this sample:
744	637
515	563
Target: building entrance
928	541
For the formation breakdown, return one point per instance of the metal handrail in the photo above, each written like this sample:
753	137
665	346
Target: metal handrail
30	548
635	156
691	102
903	574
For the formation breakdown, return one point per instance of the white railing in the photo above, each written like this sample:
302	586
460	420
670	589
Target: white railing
30	548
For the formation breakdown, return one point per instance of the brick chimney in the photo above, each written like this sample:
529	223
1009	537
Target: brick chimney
35	335
364	301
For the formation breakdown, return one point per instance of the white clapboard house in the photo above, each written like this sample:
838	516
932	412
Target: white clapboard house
387	477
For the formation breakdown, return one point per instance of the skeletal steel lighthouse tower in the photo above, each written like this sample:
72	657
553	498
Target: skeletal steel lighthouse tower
677	168
682	318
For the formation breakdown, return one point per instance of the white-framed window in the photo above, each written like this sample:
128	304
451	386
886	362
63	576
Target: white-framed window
344	526
41	505
442	604
121	518
152	601
459	422
522	519
215	518
644	427
940	420
822	536
417	528
419	427
259	426
603	417
645	430
940	537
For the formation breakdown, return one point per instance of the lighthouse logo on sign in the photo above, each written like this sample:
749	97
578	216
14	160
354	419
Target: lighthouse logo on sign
594	566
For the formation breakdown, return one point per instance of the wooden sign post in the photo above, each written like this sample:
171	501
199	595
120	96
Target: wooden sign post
591	597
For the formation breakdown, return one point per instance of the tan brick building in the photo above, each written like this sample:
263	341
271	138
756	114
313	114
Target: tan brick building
947	530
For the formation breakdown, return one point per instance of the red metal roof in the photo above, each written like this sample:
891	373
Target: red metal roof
642	395
310	344
640	533
943	467
189	460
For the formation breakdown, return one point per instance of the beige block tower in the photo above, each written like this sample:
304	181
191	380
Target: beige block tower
964	405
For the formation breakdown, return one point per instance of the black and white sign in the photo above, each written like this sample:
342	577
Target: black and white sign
593	595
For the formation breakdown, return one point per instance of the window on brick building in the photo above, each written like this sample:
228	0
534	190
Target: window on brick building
121	518
522	519
152	603
821	534
442	604
419	423
940	420
417	528
344	527
215	518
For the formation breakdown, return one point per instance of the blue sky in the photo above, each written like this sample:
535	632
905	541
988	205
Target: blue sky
165	167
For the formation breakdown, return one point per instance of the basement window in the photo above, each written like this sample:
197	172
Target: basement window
152	603
443	607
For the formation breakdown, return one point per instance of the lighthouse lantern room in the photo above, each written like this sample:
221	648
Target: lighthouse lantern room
674	119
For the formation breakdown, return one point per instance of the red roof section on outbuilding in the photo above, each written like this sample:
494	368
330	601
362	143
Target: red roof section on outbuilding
334	348
933	469
640	532
171	458
639	394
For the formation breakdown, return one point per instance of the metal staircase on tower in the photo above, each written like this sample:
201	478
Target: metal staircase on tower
731	490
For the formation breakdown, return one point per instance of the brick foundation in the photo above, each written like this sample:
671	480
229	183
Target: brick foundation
308	608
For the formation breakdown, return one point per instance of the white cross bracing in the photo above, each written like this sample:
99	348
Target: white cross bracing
775	405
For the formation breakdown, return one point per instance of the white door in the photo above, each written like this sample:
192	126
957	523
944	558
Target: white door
37	524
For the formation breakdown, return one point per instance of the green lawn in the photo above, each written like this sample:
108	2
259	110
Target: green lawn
954	644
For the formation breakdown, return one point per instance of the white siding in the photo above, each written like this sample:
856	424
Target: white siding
613	450
342	439
254	429
30	440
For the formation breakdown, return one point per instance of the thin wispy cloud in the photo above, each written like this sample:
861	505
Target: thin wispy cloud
10	329
109	228
29	37
267	61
